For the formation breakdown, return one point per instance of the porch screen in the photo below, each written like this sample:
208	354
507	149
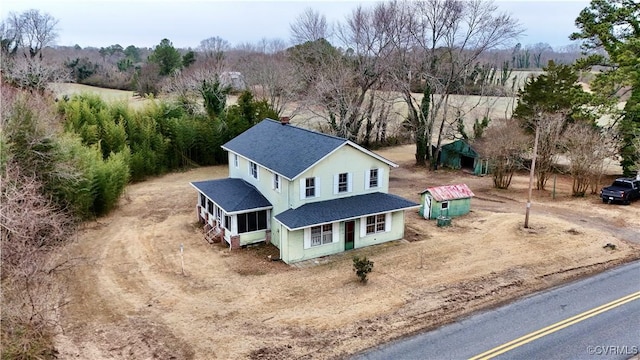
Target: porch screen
252	221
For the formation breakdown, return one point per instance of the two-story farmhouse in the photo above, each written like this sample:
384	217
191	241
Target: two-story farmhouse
308	193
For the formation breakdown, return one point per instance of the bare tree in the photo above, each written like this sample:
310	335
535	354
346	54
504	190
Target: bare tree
309	26
341	85
39	30
270	46
586	149
214	50
271	75
10	35
32	226
551	127
504	145
33	30
34	73
450	36
540	52
30	31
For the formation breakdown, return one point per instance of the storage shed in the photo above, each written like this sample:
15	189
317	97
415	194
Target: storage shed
448	200
460	155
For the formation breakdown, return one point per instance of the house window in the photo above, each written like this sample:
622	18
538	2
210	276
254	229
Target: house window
309	187
253	170
343	182
203	200
445	205
219	214
235	160
373	178
375	224
321	235
252	221
227	222
210	207
276	182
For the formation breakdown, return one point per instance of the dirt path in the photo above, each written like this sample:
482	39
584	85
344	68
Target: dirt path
130	300
608	222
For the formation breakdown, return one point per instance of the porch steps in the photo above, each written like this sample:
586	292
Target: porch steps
212	234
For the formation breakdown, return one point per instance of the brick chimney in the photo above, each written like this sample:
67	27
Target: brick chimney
284	120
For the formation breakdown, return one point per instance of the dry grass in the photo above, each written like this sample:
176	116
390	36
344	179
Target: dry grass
108	95
132	301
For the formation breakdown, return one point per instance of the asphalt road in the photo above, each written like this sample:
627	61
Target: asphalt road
594	318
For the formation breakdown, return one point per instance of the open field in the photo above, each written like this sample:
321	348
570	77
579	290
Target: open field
472	107
129	299
108	95
475	107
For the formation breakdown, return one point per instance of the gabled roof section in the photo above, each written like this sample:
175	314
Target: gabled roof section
461	147
286	149
323	212
449	192
232	195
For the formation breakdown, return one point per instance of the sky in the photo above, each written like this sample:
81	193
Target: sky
143	23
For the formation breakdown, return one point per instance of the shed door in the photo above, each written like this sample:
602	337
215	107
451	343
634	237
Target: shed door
427	207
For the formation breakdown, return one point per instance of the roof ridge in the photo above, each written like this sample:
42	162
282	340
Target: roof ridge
309	130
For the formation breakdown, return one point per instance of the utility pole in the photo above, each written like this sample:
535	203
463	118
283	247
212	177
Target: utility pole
531	174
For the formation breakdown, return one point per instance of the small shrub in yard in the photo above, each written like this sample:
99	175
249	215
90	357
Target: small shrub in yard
362	266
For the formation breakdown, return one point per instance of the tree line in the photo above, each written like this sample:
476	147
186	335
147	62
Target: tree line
351	75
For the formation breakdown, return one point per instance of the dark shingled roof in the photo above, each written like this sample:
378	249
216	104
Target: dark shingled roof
341	209
285	149
232	195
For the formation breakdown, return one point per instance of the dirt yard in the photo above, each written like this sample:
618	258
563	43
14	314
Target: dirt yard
128	297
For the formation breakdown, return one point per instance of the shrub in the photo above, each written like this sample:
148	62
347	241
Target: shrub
362	267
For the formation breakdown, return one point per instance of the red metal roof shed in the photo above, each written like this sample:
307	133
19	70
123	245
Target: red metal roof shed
449	192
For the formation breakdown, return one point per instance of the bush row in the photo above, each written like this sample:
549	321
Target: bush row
123	144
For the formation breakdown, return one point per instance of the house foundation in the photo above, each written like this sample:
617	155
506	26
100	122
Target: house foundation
235	242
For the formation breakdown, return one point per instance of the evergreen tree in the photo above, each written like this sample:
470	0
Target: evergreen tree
549	102
188	59
166	57
556	91
614	26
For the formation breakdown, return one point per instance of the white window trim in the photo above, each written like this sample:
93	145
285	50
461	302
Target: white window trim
363	225
336	184
219	214
257	176
268	224
236	162
442	205
303	188
276	182
335	236
367	178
